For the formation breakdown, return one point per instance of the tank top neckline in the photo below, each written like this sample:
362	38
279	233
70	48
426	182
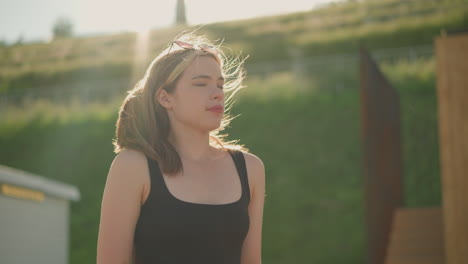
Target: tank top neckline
174	198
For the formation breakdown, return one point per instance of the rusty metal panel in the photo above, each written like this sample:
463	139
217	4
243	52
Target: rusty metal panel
382	158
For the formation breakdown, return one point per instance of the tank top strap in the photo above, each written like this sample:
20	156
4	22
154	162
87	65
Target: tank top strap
158	185
239	160
156	180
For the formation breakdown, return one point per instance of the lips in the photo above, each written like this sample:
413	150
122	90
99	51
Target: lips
216	108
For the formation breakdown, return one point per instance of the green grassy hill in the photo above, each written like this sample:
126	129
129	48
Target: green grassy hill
336	28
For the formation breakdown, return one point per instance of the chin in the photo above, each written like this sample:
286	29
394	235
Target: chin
214	126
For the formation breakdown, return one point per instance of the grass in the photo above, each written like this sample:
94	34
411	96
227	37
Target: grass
416	84
308	138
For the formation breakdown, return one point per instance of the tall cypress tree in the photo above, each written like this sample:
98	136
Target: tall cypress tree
180	13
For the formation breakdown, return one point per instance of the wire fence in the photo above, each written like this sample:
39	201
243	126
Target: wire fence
330	71
343	60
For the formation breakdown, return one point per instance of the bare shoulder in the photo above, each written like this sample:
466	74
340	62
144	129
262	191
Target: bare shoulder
129	166
255	170
130	157
253	161
120	207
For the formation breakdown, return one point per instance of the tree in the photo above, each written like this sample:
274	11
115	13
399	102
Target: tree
19	40
180	13
63	28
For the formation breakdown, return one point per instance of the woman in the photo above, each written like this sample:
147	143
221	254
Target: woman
176	192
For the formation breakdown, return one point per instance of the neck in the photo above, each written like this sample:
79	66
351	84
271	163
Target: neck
191	144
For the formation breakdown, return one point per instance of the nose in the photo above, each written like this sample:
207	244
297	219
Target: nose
217	94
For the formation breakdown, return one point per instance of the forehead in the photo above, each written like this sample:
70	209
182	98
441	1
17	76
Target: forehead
205	65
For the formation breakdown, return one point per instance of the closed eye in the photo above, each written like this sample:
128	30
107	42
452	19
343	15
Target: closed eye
202	84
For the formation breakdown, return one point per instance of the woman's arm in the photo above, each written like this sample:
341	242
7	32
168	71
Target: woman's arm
120	208
252	247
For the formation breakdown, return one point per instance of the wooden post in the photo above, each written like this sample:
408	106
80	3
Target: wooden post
452	93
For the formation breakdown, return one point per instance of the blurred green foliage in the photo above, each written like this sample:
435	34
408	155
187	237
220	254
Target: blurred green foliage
308	139
336	28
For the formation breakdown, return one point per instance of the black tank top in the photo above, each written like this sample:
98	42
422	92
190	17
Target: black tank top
172	231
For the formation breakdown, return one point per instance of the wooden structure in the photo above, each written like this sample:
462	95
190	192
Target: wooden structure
452	94
399	235
416	237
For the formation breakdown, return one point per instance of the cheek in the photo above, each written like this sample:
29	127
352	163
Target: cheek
190	104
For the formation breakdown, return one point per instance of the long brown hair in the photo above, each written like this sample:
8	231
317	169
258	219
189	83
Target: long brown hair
143	123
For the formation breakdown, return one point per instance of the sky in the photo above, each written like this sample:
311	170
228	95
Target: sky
32	20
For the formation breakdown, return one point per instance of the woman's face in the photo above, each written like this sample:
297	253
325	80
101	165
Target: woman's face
199	88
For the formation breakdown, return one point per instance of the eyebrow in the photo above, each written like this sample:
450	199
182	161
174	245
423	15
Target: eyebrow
206	77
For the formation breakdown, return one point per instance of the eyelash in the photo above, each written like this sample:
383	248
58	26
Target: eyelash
222	87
